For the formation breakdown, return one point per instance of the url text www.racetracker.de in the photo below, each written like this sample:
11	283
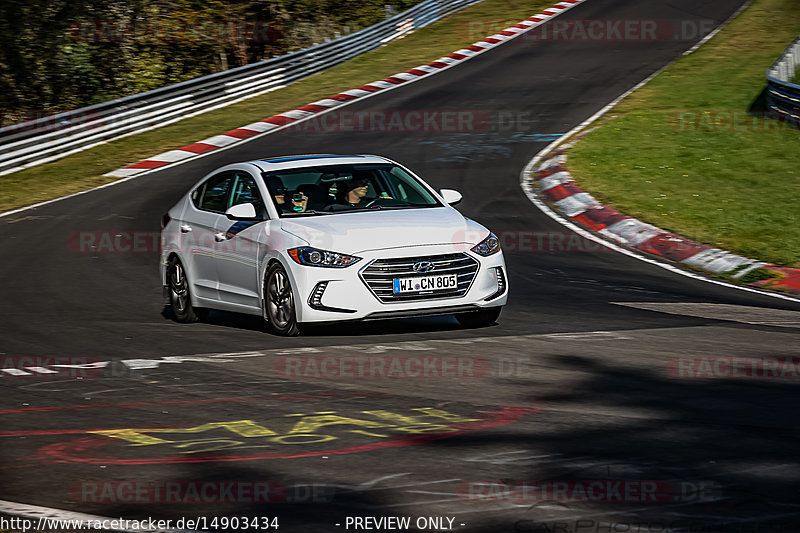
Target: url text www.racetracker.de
209	523
202	523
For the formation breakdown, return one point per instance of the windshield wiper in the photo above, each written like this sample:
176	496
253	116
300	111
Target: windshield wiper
370	208
306	212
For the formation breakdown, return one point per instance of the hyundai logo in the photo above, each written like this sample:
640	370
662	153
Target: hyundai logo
423	266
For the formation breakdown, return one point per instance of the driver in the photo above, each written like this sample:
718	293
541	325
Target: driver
354	190
352	193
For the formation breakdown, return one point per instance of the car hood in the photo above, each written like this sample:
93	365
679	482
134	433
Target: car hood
357	232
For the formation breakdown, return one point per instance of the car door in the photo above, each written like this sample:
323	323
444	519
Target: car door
198	229
238	256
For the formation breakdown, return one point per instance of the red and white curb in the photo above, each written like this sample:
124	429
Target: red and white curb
554	184
273	123
549	186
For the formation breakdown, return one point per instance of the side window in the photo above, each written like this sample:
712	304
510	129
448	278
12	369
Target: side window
215	192
245	190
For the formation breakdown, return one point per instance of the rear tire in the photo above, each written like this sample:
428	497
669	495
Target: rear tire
278	303
479	319
179	296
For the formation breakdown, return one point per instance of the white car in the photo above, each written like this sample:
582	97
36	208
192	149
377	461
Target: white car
320	238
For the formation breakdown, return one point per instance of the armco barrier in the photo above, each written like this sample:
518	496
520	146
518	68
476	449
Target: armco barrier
309	111
783	96
40	141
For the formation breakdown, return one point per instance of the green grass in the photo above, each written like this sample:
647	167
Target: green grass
85	169
668	156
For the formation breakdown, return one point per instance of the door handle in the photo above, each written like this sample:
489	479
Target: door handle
219	237
185	228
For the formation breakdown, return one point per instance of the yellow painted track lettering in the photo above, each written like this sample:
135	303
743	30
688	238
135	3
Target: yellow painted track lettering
310	424
140	437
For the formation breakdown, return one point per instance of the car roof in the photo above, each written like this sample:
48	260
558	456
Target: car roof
312	160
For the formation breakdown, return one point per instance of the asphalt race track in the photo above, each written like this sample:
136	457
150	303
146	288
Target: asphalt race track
578	382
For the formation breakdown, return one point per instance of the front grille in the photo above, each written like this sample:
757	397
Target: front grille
379	276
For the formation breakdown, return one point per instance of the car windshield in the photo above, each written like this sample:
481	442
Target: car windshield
328	189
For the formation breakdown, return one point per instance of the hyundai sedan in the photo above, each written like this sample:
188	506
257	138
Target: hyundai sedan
322	238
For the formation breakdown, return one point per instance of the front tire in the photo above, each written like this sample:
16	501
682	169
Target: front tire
479	319
179	297
278	301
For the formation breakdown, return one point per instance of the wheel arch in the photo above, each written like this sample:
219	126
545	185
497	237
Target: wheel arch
269	265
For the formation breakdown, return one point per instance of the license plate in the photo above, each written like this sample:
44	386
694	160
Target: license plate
442	282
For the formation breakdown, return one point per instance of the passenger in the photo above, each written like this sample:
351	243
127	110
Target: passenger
285	202
297	202
312	194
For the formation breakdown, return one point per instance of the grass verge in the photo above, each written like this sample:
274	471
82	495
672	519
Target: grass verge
85	169
684	154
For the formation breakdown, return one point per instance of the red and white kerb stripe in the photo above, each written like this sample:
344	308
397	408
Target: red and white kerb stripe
555	185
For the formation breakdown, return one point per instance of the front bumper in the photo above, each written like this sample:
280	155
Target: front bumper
332	294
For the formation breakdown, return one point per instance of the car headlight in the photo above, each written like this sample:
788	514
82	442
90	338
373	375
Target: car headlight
488	246
306	255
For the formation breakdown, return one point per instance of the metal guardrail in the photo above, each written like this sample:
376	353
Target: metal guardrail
49	138
783	96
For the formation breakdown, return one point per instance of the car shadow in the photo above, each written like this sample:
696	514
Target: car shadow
430	324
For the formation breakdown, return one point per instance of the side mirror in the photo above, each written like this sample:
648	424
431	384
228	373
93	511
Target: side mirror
450	196
242	212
